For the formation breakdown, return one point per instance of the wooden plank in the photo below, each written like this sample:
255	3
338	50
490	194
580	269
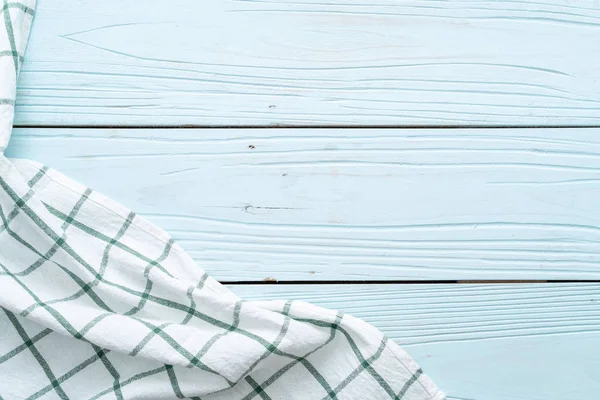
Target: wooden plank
262	62
478	342
342	204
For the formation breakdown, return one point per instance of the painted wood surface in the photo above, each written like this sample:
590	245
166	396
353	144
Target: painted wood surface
343	204
365	204
263	62
479	342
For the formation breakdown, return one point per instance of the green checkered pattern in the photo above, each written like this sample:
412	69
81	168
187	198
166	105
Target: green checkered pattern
98	303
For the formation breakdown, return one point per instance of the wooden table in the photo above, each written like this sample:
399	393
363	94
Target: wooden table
369	156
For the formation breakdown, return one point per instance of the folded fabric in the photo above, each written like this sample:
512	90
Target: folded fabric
98	303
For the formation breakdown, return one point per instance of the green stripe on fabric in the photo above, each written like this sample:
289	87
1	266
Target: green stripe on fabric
24	346
280	336
76	209
140	346
67	376
36	354
288	366
316	374
93	323
149	283
189	315
357	371
98	235
57	316
90	361
204	317
12	54
134	378
43	258
32	182
385	386
86	288
11	36
174	383
213	321
14	235
44	226
194	361
46	257
22	7
409	383
148	289
37	177
215	338
259	390
190	293
60	240
111	369
16	209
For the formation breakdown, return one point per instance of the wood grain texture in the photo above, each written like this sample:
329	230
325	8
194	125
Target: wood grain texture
363	204
478	342
263	62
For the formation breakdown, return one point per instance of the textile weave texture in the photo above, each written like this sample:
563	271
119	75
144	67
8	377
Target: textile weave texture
98	303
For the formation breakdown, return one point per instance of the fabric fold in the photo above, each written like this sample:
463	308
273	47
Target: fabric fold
96	302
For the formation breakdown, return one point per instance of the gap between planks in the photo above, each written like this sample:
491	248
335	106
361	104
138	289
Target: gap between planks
292	126
272	281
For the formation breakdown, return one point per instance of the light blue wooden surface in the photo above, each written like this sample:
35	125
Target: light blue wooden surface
479	342
263	62
352	204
